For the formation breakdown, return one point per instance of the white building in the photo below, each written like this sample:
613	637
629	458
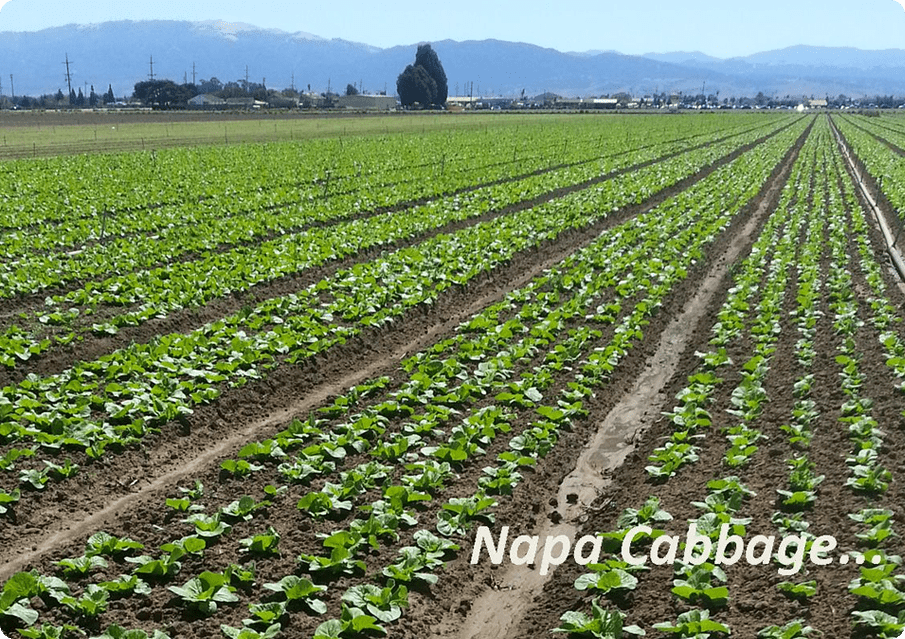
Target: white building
366	102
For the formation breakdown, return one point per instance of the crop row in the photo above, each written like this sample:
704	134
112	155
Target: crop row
818	206
116	400
881	601
160	291
881	162
492	376
144	192
702	583
222	229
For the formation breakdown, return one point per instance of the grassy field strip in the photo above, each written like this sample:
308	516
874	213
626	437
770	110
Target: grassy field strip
41	135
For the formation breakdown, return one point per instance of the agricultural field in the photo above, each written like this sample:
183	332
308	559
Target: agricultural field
505	377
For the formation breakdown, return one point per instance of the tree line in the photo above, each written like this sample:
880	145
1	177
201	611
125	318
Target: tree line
60	99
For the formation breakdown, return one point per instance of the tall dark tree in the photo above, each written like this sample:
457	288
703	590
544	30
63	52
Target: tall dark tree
423	82
427	58
109	98
415	85
351	89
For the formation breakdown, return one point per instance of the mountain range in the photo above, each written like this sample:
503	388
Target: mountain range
120	54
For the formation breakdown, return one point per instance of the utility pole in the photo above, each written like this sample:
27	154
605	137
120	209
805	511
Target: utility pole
292	82
12	87
68	75
151	74
246	78
193	73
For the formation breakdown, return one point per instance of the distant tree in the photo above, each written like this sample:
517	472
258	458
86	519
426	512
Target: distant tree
426	57
93	98
423	82
109	98
231	90
59	96
72	98
210	86
162	94
351	90
415	85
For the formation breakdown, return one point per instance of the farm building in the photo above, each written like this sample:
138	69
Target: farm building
367	102
207	101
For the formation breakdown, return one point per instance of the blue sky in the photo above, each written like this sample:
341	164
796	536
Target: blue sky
716	27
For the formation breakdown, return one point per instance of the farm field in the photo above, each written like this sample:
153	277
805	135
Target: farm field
294	388
28	134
